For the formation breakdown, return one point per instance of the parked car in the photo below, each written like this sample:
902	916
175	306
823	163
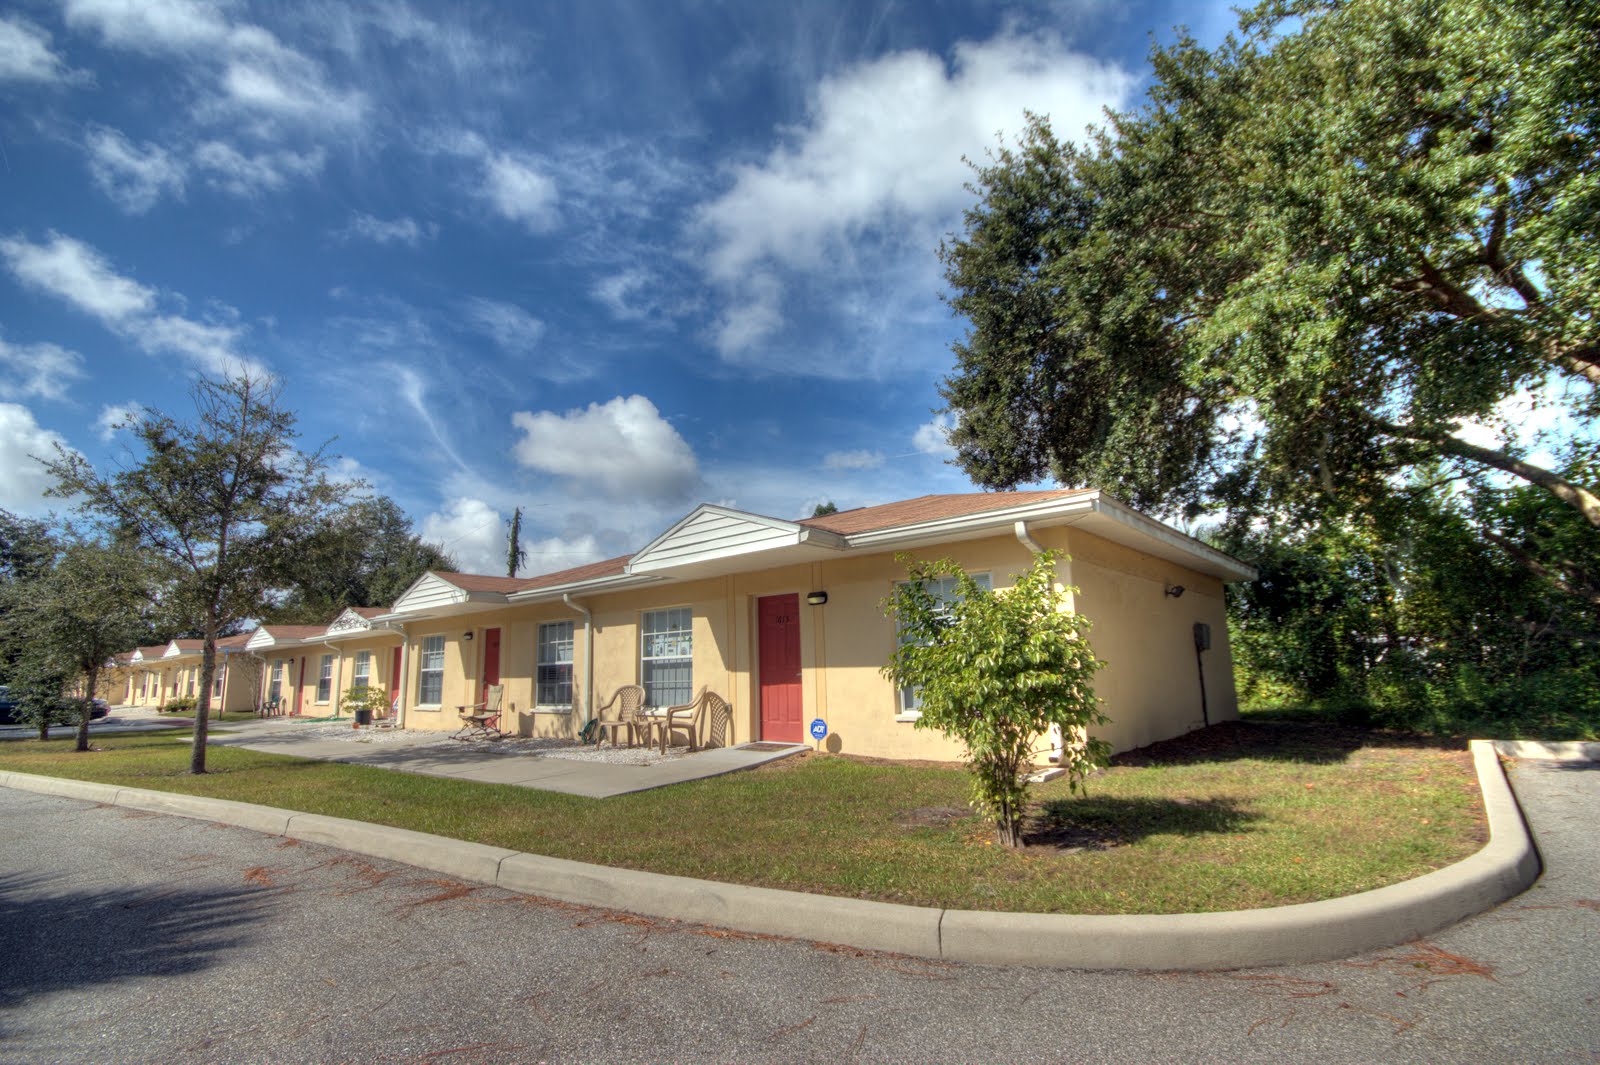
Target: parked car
8	708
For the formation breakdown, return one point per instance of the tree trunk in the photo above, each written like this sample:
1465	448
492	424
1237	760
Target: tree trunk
88	707
202	709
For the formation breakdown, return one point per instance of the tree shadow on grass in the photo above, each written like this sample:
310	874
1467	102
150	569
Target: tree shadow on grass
1100	823
54	940
1311	743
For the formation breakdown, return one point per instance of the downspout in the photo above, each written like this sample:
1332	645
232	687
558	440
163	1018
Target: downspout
588	656
1058	742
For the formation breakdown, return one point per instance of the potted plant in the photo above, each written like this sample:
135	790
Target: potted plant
363	703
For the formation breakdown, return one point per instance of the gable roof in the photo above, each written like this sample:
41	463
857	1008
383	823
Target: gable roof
930	508
269	636
713	540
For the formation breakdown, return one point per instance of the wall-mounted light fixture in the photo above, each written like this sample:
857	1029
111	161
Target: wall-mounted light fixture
467	636
816	598
1174	591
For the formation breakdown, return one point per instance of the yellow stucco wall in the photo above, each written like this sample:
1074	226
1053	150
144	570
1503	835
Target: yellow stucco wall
1150	686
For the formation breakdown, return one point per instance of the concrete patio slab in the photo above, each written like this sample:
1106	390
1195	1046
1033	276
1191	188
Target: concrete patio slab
486	762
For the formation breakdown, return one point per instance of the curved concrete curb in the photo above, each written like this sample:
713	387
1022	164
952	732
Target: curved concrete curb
1313	931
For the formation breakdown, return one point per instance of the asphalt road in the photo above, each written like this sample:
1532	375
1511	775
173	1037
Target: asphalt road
132	937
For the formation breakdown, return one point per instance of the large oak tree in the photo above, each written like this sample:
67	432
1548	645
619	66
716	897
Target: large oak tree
1289	278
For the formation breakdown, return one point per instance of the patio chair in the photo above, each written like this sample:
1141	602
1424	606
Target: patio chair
687	719
389	716
626	702
272	707
481	720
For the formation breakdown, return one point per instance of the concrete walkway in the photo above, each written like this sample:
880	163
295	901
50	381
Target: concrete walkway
487	762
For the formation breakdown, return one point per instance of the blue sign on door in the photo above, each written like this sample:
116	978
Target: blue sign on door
819	729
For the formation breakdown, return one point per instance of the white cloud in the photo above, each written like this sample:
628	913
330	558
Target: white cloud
73	271
509	326
134	176
252	73
475	534
471	532
519	190
877	167
116	416
23	479
626	294
403	230
150	25
78	274
622	448
263	75
251	175
852	460
933	438
37	370
25	53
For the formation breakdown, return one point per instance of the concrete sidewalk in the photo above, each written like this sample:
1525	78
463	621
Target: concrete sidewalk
486	762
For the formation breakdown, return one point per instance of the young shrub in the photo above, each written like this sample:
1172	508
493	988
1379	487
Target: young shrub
372	699
996	671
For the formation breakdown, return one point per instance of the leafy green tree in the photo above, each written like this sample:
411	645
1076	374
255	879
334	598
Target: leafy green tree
74	616
823	509
1286	280
362	554
997	670
226	502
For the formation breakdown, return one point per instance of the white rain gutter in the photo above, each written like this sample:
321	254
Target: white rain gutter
588	656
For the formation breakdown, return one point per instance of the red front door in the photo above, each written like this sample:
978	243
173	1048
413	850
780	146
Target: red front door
491	661
778	636
394	676
300	686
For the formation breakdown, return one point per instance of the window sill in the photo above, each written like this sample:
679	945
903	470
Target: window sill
551	710
434	709
911	715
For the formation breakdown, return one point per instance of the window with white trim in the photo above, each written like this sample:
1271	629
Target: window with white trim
325	679
361	672
666	656
943	589
218	672
275	685
430	671
555	664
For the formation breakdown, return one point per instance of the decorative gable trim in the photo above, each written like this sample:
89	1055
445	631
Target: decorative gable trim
348	622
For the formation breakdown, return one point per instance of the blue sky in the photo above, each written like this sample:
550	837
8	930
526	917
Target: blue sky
604	261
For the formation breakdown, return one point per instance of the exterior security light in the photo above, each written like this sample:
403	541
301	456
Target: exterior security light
1174	591
817	598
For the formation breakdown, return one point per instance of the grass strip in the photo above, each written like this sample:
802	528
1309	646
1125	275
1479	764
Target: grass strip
1235	817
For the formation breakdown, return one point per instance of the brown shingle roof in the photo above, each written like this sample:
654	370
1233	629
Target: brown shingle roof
478	582
929	508
293	632
610	567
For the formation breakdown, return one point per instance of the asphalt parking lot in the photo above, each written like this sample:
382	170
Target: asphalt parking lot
127	936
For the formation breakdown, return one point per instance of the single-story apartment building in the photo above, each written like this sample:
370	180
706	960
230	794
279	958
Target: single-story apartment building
158	674
785	620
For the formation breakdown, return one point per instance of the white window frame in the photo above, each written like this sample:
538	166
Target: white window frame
325	680
361	671
552	651
908	701
275	681
666	639
432	650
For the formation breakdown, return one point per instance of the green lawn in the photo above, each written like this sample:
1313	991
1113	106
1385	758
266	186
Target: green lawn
1239	816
